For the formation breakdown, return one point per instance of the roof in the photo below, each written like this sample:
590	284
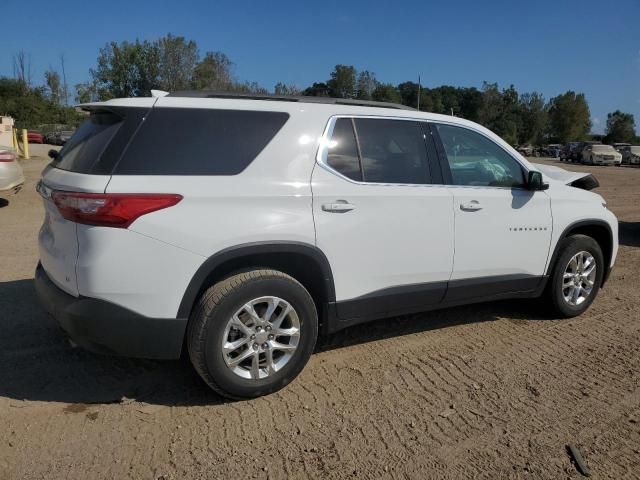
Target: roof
287	98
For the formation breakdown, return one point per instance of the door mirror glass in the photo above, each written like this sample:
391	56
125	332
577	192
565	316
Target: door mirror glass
534	181
53	154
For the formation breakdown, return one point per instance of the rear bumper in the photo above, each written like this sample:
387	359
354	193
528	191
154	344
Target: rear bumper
104	327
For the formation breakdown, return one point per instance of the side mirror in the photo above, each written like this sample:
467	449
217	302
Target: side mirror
53	154
535	183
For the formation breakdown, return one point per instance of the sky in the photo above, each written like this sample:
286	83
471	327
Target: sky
591	47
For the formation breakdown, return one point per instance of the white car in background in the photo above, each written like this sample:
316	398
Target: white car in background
11	177
601	155
631	155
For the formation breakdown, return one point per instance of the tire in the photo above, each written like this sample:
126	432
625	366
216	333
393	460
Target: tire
568	248
210	325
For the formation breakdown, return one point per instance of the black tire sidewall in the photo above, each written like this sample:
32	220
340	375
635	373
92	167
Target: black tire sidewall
570	246
281	287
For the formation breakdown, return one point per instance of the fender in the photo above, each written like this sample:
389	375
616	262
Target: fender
580	224
210	265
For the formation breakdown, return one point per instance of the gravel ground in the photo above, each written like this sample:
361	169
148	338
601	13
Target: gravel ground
489	391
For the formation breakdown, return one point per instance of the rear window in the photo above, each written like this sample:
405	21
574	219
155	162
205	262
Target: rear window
177	141
87	144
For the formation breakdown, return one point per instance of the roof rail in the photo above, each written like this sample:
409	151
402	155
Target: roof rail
287	98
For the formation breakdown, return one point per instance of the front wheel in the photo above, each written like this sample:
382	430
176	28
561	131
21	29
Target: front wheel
252	334
577	276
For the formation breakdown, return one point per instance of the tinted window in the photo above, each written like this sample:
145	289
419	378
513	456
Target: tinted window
343	152
86	145
393	151
177	141
476	160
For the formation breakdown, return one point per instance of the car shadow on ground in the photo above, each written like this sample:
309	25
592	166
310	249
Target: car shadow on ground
37	362
629	234
3	202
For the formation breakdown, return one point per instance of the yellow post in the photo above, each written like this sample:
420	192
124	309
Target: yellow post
25	144
15	139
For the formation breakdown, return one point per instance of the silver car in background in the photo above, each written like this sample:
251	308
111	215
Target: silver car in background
11	176
631	155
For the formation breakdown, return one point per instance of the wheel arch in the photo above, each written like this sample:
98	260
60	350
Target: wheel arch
597	229
304	262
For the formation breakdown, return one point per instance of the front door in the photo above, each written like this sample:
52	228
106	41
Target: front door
502	230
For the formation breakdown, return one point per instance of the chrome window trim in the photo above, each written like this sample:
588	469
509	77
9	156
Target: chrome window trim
323	150
321	155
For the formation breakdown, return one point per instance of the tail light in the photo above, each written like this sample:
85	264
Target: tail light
6	157
118	210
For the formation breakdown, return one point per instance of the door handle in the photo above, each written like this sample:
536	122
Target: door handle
472	206
341	206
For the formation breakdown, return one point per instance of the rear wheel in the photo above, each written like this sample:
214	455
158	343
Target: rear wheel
252	333
577	276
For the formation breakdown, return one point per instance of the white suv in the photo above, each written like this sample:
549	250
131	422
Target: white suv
243	227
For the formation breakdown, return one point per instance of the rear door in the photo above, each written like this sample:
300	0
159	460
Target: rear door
385	228
502	230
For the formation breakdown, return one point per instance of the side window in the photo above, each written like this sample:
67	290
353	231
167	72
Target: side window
343	152
477	161
199	141
393	151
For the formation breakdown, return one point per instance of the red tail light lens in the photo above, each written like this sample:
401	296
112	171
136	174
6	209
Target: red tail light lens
7	157
118	210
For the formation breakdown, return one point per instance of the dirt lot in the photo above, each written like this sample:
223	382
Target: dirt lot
490	391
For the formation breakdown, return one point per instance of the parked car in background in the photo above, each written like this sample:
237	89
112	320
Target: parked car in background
567	152
11	177
631	155
64	137
620	146
601	155
50	138
34	137
526	150
553	150
58	138
577	153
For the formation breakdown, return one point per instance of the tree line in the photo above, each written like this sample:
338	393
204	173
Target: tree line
173	63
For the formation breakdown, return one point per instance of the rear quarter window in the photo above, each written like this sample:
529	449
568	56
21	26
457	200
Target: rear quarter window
177	141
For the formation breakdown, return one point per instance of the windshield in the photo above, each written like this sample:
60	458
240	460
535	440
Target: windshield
603	148
635	150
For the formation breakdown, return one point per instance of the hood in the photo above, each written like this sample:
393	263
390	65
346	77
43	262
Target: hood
560	174
552	174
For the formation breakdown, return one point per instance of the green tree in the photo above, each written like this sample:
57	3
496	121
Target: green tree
249	87
318	89
385	92
365	85
127	69
621	127
343	82
213	72
533	118
177	60
53	84
32	106
286	90
569	117
409	94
